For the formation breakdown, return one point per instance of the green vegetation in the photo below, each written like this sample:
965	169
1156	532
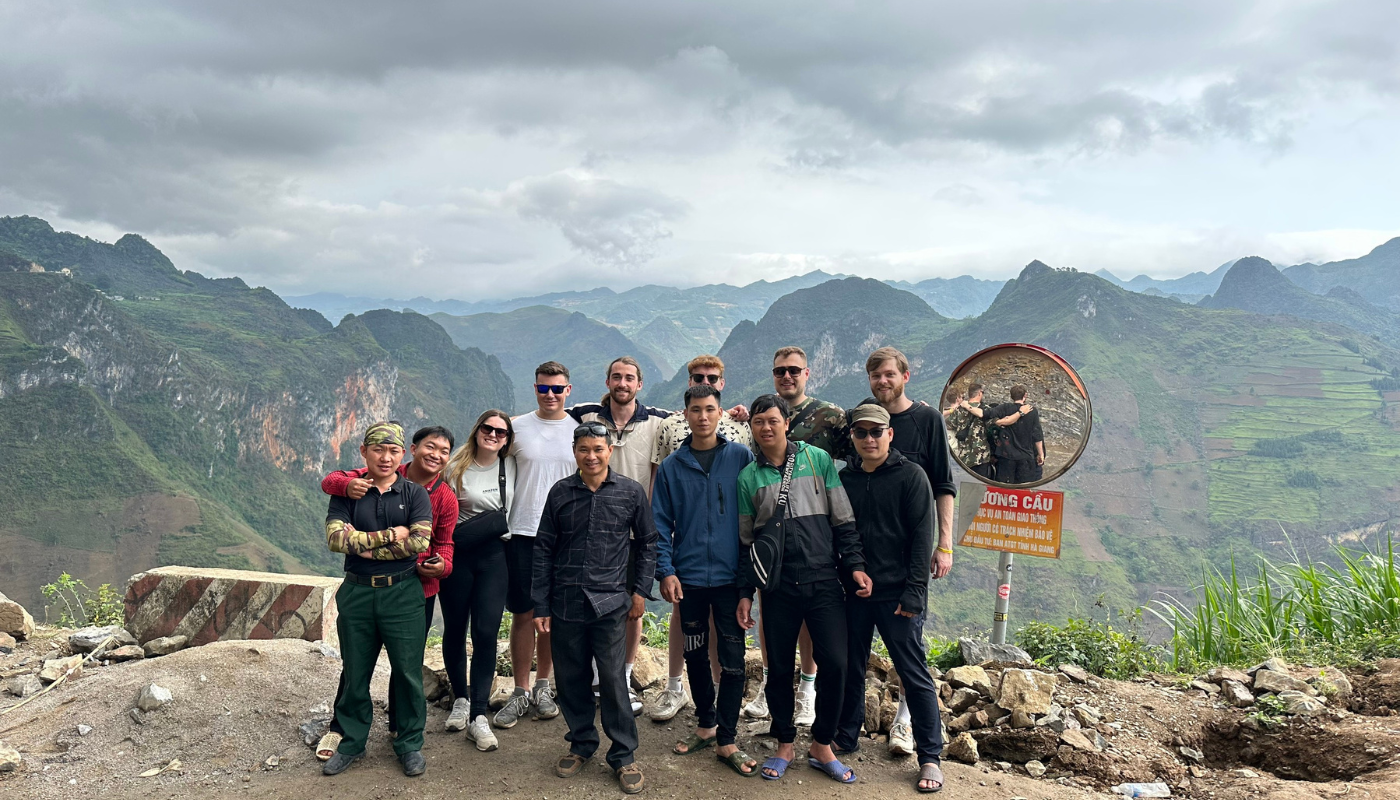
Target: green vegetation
1097	646
81	606
943	654
1269	711
656	629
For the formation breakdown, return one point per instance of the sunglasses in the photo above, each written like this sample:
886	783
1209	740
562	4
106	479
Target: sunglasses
869	433
713	380
546	388
492	430
791	372
590	429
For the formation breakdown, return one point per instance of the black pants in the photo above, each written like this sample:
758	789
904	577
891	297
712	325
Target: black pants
697	602
904	638
474	593
822	605
335	727
985	470
1019	470
576	645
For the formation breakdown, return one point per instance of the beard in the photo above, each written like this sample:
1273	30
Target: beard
622	397
889	395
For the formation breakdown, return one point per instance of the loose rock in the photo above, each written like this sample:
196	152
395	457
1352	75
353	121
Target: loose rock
1207	687
10	759
963	699
1026	690
1272	665
7	642
1267	680
1035	769
23	685
1235	694
14	620
1222	674
1301	704
1192	753
650	669
1020	719
975	652
128	652
972	720
963	748
1075	673
970	678
88	639
166	645
1079	741
56	668
153	697
434	683
84	730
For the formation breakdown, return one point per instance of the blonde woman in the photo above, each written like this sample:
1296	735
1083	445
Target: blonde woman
484	479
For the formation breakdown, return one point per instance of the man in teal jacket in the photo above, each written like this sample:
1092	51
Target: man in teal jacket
695	505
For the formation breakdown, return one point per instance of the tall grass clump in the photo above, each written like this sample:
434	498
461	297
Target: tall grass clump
1301	608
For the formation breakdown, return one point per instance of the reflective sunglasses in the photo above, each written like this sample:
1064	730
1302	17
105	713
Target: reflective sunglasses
868	433
791	372
492	430
697	378
546	388
590	429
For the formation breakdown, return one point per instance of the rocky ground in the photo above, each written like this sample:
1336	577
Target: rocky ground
233	725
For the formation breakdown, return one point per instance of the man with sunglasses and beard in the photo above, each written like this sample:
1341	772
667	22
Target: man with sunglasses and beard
543	450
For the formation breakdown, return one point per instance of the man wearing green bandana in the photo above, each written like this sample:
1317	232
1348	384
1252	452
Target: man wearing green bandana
381	598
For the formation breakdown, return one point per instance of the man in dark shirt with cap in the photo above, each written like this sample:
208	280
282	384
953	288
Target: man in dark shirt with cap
380	601
582	595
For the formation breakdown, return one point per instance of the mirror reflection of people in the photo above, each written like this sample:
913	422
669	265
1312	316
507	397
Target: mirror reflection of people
968	428
1020	447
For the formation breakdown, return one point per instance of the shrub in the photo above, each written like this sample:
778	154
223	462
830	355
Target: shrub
1098	647
943	653
656	631
81	605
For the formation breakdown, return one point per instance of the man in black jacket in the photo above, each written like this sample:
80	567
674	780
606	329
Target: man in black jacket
583	597
1021	445
893	505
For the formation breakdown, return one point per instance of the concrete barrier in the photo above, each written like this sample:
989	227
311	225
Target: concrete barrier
209	605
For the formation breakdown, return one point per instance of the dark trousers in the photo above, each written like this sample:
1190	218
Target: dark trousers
904	638
474	593
1019	470
985	470
697	603
335	726
372	619
575	646
822	605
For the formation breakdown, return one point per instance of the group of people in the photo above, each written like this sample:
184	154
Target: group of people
817	525
1002	442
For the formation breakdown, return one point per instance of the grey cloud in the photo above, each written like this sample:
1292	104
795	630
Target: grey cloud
608	222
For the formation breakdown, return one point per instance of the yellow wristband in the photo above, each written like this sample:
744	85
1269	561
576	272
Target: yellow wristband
945	550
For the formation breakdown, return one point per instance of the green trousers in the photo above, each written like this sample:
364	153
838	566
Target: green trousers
372	618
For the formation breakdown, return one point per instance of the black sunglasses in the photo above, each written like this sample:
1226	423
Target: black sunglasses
546	388
793	372
590	429
713	380
866	433
492	430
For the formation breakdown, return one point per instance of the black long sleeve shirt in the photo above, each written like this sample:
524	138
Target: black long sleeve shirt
895	518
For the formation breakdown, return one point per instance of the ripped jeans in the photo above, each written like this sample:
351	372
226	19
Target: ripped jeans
697	604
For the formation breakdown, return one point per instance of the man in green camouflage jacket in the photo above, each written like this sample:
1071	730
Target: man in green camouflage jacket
968	432
816	422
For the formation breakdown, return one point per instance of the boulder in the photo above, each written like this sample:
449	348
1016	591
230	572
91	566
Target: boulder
130	652
963	699
1301	704
502	687
1272	665
14	620
1075	673
1332	682
650	669
165	645
1026	690
1209	688
888	710
56	668
1079	741
209	605
153	697
976	652
1221	674
10	759
1267	680
970	678
963	748
24	685
1234	693
86	640
435	683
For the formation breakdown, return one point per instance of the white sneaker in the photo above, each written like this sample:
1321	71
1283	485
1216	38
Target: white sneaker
758	708
901	739
806	712
636	702
457	720
668	704
480	732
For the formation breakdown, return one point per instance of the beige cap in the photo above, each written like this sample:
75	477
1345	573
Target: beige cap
869	412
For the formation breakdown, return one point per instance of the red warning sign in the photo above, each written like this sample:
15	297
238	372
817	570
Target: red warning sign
1019	521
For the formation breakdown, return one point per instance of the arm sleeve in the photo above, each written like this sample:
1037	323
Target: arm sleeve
542	564
1036	435
663	443
940	468
745	489
661	512
341	536
919	520
845	537
420	528
337	482
644	538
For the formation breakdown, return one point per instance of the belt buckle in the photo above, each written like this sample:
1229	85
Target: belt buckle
374	581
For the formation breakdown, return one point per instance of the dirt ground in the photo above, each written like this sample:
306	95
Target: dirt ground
233	726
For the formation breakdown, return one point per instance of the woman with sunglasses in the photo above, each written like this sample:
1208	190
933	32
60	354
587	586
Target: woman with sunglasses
484	479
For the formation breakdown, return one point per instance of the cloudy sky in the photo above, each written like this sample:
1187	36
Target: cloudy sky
480	150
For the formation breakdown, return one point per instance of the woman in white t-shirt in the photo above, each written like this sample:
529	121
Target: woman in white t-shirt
475	592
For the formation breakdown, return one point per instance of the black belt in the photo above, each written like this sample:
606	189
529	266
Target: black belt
381	581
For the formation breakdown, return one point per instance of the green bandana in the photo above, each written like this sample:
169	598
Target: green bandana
384	433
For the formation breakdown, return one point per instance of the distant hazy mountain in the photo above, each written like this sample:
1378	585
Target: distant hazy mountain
1196	285
1254	284
956	298
526	337
667	343
1375	276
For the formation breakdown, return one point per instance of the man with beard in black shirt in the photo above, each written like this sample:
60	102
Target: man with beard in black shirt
1021	446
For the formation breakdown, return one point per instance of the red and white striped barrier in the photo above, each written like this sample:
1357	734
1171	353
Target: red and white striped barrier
210	605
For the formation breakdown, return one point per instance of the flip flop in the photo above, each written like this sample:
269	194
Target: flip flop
736	760
694	744
778	765
328	744
834	769
929	772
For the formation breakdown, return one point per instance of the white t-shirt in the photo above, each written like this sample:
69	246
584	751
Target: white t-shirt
481	489
544	455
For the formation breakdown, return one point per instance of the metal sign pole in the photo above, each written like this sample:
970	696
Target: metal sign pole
1003	598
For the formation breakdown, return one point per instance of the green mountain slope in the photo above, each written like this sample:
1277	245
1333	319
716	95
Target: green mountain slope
192	426
1254	284
1375	275
527	337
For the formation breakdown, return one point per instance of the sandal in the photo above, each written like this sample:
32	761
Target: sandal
778	765
327	745
834	769
629	778
569	765
929	772
736	761
693	744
